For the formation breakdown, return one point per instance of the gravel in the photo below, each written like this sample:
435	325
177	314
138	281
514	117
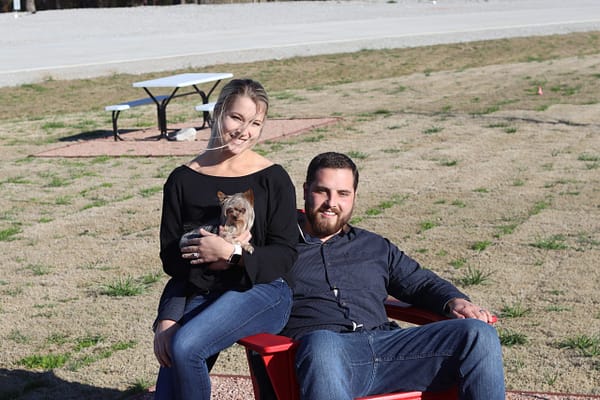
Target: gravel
240	388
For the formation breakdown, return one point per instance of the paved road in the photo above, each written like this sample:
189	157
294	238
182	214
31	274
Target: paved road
65	44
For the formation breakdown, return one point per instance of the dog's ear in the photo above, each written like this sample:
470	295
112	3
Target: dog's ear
249	195
221	196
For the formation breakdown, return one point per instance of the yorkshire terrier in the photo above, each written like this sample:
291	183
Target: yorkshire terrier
237	217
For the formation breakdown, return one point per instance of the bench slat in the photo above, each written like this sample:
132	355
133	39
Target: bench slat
209	107
206	109
126	105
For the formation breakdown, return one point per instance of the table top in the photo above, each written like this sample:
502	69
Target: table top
182	80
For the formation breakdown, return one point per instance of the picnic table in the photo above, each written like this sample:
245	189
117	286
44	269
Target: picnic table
176	82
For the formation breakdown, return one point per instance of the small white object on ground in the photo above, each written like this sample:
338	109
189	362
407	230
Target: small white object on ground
184	135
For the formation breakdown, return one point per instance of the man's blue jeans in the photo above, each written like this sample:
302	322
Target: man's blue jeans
433	357
212	324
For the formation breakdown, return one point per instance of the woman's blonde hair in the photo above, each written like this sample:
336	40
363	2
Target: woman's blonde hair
230	92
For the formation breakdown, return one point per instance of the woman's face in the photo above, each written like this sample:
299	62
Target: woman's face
242	124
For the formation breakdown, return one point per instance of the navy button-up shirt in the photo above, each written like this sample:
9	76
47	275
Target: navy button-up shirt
342	284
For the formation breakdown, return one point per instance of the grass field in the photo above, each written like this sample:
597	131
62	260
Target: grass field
463	165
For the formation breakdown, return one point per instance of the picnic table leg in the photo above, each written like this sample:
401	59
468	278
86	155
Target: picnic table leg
212	90
161	111
115	117
205	114
162	120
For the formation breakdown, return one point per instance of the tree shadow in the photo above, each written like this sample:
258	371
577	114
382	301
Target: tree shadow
31	385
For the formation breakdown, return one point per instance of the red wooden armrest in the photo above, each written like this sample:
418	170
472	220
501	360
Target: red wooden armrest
450	394
266	343
405	312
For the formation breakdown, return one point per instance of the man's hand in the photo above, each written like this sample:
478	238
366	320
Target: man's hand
461	308
165	330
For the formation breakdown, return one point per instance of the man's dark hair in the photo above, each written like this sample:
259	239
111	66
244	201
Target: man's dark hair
331	160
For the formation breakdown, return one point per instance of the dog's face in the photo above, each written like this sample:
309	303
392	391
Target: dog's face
235	214
238	209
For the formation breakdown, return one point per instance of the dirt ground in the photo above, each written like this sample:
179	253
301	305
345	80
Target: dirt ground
506	204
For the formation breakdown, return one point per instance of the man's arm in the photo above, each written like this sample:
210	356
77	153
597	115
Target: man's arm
423	288
410	283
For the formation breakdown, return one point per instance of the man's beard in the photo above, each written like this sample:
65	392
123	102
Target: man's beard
322	227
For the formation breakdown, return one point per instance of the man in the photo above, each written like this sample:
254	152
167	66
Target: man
343	275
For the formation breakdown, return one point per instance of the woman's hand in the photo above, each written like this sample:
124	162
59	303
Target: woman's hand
165	329
209	248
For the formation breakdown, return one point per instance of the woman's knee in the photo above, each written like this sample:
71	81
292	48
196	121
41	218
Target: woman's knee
187	346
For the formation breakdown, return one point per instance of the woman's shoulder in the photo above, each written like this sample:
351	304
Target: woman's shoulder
183	175
274	172
257	164
180	172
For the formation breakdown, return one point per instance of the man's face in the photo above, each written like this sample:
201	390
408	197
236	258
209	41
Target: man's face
329	201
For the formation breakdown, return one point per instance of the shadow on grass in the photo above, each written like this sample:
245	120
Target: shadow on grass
104	134
29	385
93	135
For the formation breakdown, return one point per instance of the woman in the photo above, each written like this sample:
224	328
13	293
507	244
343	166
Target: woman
219	293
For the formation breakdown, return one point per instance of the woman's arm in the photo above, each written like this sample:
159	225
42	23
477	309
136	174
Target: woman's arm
170	310
277	256
171	229
172	301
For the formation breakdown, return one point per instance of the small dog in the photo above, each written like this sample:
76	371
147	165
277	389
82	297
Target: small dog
238	216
